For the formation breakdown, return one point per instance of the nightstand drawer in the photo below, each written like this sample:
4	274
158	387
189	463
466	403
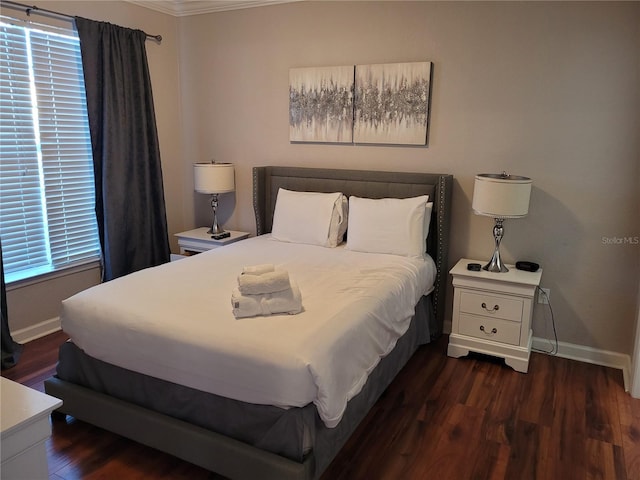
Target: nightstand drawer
491	306
490	329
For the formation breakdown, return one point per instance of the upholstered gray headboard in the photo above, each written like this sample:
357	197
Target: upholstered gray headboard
369	184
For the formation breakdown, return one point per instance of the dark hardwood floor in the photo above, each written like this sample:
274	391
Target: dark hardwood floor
442	418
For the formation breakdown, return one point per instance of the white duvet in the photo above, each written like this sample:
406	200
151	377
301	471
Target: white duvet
175	322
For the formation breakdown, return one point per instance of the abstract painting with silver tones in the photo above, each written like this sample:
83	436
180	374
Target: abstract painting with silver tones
392	103
321	104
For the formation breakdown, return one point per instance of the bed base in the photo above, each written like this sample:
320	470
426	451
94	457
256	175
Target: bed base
191	443
225	455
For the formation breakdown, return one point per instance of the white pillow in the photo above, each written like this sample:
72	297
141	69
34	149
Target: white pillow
339	220
388	225
427	219
307	217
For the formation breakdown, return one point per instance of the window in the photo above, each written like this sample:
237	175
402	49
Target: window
47	217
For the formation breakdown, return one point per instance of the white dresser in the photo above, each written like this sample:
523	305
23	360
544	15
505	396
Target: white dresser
24	429
492	313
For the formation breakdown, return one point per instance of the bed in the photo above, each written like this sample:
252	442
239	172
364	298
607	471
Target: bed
277	434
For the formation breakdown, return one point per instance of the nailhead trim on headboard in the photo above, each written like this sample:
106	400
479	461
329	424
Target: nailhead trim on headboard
259	226
440	260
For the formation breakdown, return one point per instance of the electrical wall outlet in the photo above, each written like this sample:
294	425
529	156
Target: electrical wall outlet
542	298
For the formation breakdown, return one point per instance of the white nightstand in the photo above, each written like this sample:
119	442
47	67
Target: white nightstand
492	313
198	240
25	427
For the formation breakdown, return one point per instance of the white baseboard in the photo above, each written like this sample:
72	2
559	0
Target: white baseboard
25	335
581	353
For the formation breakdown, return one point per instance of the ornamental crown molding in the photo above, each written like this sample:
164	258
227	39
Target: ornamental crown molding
183	8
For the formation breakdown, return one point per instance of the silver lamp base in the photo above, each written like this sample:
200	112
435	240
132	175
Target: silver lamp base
495	265
215	229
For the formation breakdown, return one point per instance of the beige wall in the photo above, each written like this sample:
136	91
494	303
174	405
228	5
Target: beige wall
547	90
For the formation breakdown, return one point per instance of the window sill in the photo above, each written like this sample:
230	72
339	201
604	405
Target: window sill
45	277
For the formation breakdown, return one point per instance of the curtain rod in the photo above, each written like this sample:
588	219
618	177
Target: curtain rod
43	11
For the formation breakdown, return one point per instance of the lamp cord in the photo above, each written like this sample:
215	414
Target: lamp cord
554	350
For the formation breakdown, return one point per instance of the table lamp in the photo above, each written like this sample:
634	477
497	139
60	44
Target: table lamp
214	178
500	196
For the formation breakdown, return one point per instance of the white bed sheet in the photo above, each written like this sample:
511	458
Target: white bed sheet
175	322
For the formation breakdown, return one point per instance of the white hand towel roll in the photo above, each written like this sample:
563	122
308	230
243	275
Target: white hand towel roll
258	269
270	282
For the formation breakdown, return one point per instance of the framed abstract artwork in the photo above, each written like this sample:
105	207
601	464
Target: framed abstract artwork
379	104
392	103
321	104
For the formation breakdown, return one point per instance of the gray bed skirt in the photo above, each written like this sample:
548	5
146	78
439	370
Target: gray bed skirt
233	438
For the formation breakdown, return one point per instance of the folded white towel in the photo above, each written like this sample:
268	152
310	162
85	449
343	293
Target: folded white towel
258	269
269	282
286	301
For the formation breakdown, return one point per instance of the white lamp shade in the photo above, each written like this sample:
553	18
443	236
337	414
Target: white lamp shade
214	177
501	195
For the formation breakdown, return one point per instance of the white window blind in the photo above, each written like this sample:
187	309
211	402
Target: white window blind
47	218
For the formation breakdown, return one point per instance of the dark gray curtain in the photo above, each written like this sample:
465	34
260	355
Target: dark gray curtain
128	177
10	349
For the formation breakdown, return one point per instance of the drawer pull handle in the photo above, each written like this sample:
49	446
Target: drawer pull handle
494	309
492	332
